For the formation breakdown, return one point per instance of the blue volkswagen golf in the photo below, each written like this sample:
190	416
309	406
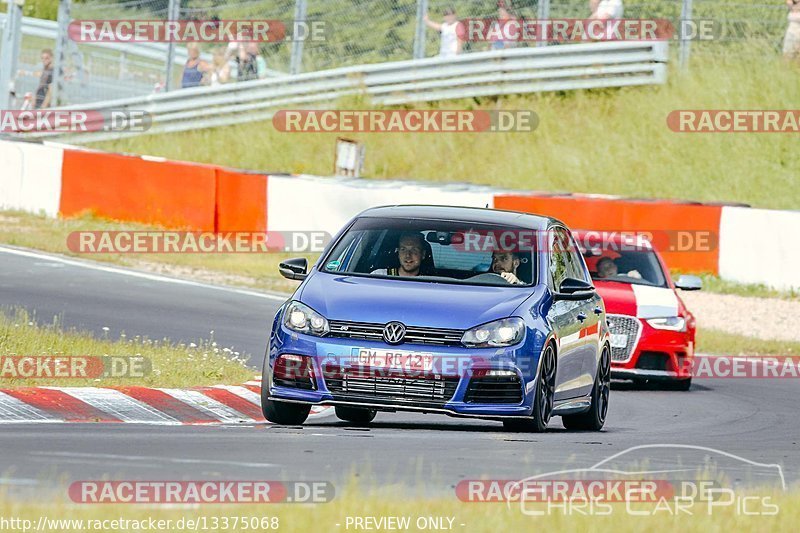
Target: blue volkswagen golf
461	311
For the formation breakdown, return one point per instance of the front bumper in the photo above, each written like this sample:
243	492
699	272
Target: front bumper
658	355
449	389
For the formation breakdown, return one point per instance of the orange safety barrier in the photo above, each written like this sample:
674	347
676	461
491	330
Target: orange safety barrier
687	235
169	194
241	201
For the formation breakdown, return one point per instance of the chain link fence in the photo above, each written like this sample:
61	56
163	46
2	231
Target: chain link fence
357	32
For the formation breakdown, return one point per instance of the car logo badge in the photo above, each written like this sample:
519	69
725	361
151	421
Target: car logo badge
394	332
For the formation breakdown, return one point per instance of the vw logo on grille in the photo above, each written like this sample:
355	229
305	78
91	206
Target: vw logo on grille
393	332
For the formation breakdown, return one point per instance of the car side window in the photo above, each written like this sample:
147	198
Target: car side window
558	267
577	266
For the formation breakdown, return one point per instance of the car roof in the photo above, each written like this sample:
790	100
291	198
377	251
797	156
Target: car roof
477	215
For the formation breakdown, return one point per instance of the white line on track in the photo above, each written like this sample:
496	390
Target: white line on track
149	458
136	274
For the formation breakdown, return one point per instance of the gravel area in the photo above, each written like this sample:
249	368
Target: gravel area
764	318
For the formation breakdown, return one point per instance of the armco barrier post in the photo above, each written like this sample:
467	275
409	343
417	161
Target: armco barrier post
420	34
9	50
173	13
296	60
543	13
685	49
56	88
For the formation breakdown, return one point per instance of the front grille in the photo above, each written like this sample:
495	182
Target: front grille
494	389
421	392
414	334
624	325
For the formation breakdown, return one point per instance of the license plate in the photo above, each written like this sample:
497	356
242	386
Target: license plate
393	359
619	340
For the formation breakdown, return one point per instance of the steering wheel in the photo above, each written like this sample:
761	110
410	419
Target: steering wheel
489	277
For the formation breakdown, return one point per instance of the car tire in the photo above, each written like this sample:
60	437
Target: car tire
355	415
595	418
284	413
543	400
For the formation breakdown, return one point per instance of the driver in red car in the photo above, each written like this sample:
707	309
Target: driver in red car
607	268
506	264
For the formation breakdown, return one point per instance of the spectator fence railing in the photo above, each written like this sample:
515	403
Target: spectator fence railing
514	71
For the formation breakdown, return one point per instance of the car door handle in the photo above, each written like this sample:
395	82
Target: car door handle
598	311
581	317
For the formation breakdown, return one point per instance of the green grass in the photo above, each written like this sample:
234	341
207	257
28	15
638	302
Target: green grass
613	141
173	365
722	343
254	270
718	285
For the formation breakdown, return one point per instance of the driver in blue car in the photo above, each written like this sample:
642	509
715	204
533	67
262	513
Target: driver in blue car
411	252
506	264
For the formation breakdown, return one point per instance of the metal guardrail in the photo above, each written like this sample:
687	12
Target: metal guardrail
514	71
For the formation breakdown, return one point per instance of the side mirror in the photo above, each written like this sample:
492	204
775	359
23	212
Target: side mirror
689	283
296	269
574	289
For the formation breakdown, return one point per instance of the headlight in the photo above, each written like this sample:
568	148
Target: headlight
672	323
301	318
504	332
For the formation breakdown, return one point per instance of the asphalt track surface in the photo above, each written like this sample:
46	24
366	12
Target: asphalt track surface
748	419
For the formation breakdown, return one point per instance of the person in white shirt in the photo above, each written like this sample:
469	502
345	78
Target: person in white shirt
791	41
606	10
450	45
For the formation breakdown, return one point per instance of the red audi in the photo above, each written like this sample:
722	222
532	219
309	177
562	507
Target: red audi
652	331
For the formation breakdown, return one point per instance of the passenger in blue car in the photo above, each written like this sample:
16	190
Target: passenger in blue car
506	264
412	252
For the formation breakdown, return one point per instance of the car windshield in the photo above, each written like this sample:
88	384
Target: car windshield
435	251
635	266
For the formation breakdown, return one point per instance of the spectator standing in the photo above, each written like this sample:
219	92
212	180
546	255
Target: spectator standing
194	68
45	90
791	41
606	10
220	69
450	44
246	65
261	63
500	28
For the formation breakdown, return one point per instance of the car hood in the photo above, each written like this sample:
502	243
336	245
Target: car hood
642	301
435	305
